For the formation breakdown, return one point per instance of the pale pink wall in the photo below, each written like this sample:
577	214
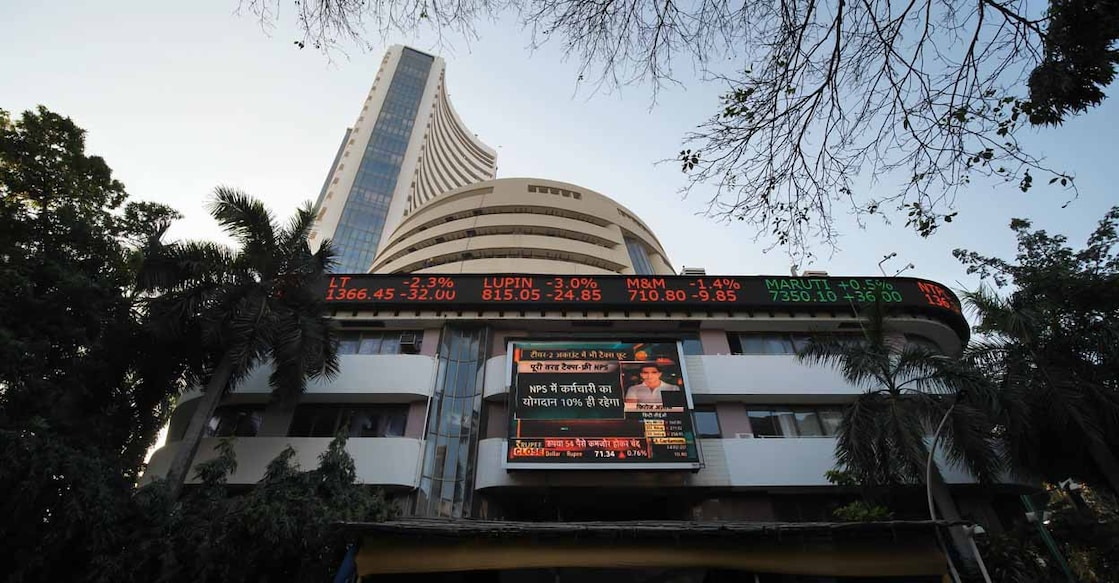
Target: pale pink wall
417	415
430	342
501	338
732	419
714	342
497	421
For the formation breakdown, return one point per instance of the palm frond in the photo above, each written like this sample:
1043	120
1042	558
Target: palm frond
968	442
246	219
860	365
997	315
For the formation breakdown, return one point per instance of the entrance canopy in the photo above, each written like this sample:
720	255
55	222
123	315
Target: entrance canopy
871	549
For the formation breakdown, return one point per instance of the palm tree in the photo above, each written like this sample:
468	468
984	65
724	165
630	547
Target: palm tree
256	303
911	392
1054	368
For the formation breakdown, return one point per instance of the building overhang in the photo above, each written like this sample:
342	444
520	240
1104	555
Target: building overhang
892	548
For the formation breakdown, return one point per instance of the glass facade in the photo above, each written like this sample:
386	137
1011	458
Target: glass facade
778	421
363	218
365	421
639	255
388	342
447	480
234	421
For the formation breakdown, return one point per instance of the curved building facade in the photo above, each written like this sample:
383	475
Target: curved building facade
487	366
522	225
406	147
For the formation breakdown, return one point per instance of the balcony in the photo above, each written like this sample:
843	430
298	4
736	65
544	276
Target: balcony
392	462
762	377
376	377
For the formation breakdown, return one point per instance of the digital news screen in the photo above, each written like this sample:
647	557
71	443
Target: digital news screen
599	405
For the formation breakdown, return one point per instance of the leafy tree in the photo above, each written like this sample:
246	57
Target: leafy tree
71	343
257	303
282	529
909	392
1052	345
91	361
867	509
922	95
84	389
1086	534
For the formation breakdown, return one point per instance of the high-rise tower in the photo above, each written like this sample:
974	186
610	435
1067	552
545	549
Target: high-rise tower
406	147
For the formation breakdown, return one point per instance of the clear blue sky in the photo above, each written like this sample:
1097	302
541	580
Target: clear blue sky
180	97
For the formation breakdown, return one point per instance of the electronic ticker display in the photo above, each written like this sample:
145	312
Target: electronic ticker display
636	292
599	405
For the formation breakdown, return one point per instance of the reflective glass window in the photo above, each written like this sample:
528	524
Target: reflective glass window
639	256
763	423
801	421
807	423
235	421
706	422
830	420
368	421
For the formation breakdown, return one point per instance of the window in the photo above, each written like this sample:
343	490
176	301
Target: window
767	343
639	256
330	420
706	422
388	342
776	421
692	346
234	421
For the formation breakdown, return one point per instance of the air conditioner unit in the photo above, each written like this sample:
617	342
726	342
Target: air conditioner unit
409	342
744	435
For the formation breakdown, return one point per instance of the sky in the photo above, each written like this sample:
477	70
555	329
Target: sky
181	97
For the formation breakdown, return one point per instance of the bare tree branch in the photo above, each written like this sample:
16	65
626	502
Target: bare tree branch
866	107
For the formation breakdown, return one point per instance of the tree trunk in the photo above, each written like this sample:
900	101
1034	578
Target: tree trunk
278	415
215	389
948	511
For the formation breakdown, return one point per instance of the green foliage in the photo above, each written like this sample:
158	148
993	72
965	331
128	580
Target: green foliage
90	362
908	390
84	389
1052	347
1080	59
1087	537
259	302
71	343
279	530
61	505
865	510
862	511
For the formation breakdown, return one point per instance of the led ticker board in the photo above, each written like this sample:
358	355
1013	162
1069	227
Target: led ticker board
599	405
636	292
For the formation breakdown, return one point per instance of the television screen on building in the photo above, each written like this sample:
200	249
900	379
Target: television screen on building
601	405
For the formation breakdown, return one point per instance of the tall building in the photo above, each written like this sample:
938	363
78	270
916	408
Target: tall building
523	225
523	357
407	146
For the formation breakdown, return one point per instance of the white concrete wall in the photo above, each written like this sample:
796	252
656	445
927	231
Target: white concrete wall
764	376
381	377
381	461
754	377
575	209
497	375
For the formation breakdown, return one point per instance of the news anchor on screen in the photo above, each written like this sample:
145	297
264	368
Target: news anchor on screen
650	390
